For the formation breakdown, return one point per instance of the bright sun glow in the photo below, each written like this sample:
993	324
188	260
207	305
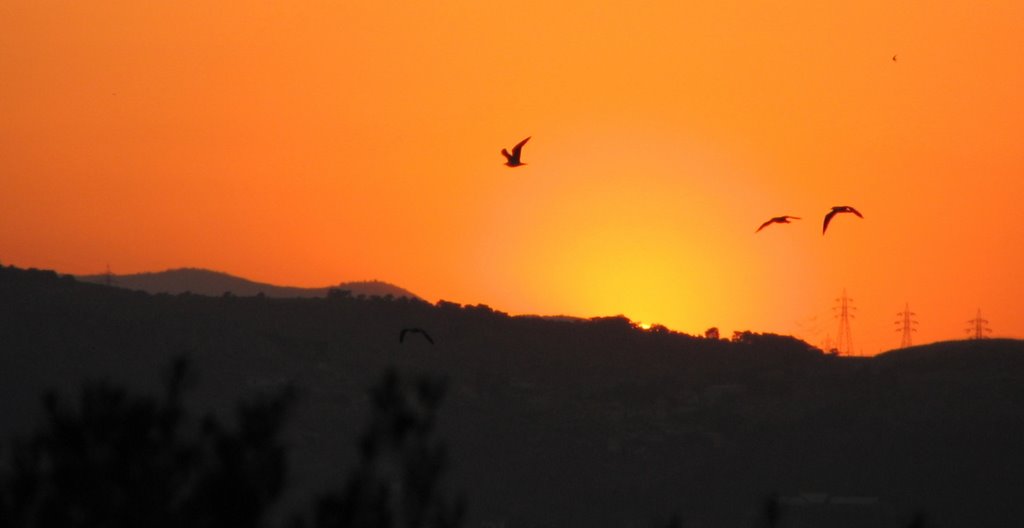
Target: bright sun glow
663	135
644	326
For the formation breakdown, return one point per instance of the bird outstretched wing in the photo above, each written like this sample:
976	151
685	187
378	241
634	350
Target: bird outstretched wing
778	219
518	149
828	218
401	335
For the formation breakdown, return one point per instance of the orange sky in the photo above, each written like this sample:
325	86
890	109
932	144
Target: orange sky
316	144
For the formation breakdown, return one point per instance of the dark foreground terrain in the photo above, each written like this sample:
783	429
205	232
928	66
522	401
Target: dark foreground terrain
558	422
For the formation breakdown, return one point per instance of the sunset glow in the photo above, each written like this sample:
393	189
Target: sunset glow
312	144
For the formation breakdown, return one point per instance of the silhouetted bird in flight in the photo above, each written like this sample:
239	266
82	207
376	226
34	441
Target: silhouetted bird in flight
401	335
777	220
836	210
517	151
894	58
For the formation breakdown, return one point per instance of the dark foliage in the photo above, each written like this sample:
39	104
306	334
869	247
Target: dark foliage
125	460
774	343
396	484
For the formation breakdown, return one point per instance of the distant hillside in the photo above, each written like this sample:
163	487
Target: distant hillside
957	351
215	283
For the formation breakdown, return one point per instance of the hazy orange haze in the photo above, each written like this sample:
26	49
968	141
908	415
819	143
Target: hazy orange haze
307	143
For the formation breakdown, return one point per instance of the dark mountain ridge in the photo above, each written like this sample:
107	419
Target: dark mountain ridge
214	283
565	423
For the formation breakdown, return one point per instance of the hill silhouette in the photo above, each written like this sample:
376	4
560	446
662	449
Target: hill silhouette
207	282
563	422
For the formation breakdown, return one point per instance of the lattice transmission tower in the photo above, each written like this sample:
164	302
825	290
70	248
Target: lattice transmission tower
844	340
108	277
907	322
979	327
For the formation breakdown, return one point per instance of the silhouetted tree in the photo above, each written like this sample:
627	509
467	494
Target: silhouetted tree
711	333
396	484
338	294
768	342
448	305
125	460
659	329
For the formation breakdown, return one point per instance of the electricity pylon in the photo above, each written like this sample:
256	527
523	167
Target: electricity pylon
979	327
844	341
906	318
108	277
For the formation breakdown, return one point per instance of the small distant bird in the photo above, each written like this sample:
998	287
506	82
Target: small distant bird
836	210
517	151
777	220
894	58
401	335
